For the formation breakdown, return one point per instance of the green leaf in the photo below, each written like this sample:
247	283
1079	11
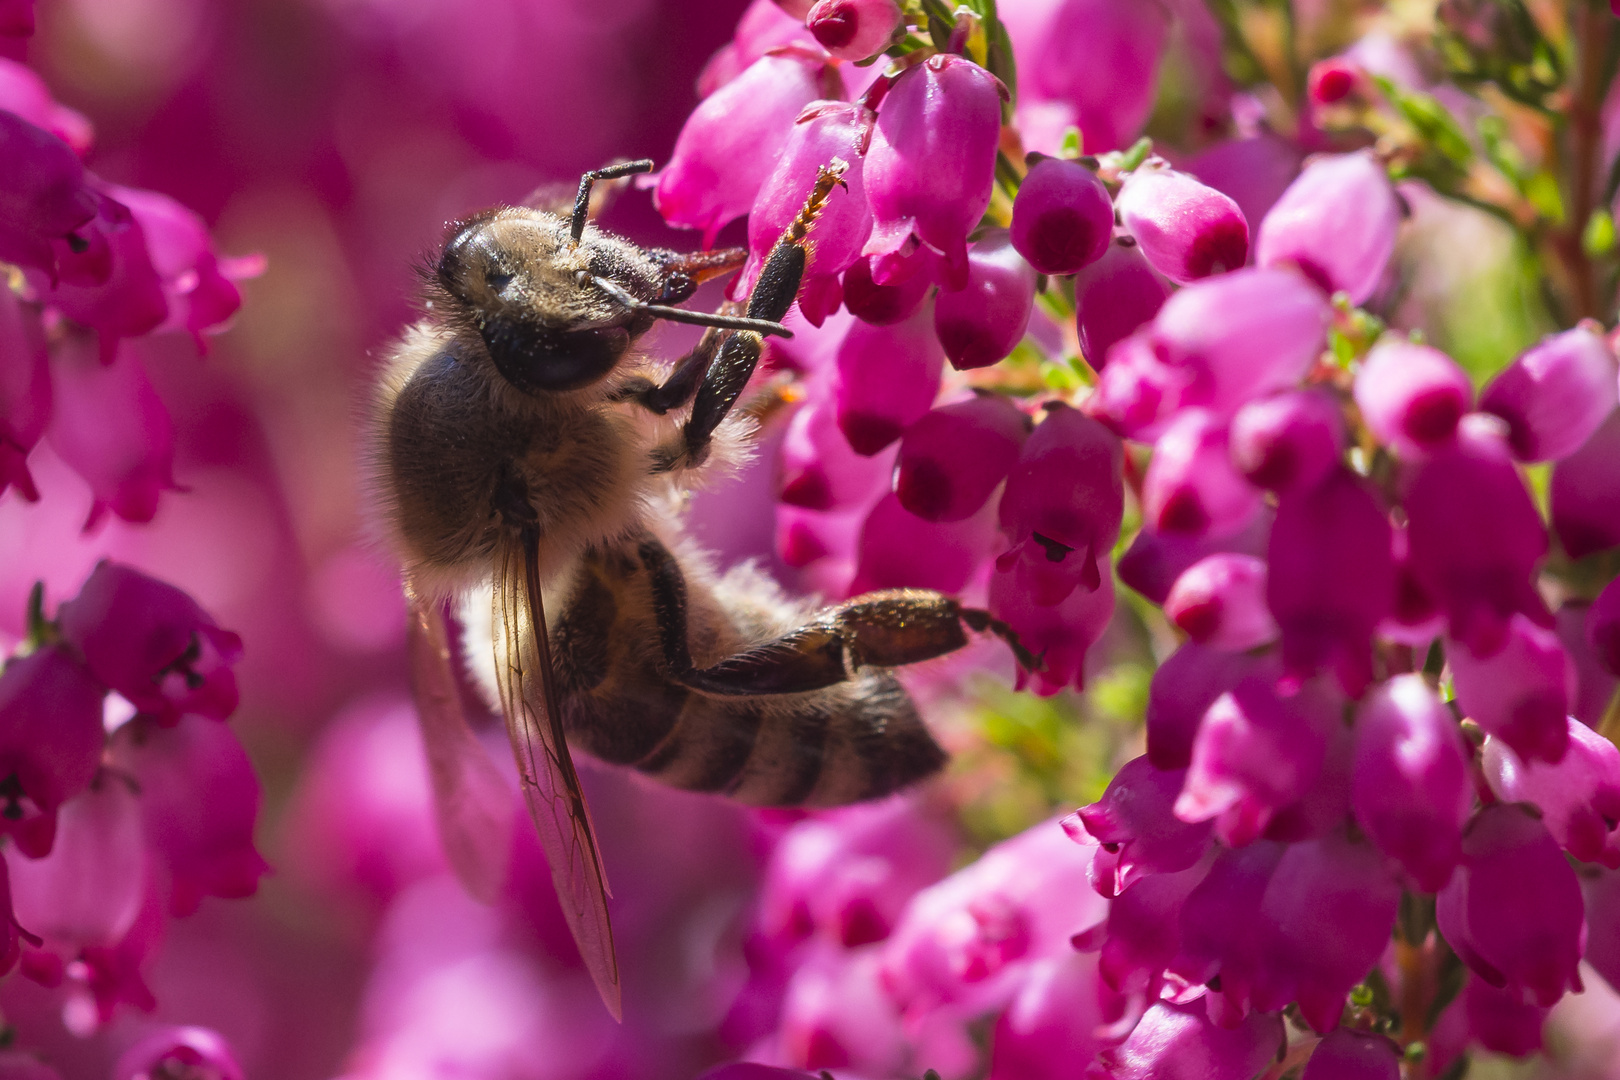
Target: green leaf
1597	239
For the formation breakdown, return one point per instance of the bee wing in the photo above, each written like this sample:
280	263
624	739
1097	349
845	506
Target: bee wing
472	802
550	784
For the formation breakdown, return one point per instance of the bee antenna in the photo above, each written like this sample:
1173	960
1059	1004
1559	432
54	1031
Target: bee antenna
693	318
582	201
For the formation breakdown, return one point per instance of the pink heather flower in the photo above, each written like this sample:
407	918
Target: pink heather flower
1154	560
932	164
827	131
1140	938
1555	395
1288	442
835	1015
1254	171
1579	797
1354	1055
1059	634
1182	690
1256	753
44	193
111	427
764	26
1220	601
112	286
985	319
50	733
887	378
1513	911
1594	683
732	142
1331	578
1191	487
1586	493
1139	834
885	305
1331	80
1499	1020
1603	627
1138	394
1180	1041
179	1052
25	391
1336	224
199	802
819	470
1113	297
1062	507
23	93
1222	933
1186	229
1411	790
1416	619
1519	693
1051	1026
899	550
1062	218
152	643
1412	396
955	456
1474	538
853	29
89	889
1601	894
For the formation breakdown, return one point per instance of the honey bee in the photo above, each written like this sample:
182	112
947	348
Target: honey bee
521	440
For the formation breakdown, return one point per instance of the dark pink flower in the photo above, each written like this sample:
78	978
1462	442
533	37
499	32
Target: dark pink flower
1601	893
23	93
1520	692
1332	80
1138	832
25	391
1115	296
1594	683
1288	442
1182	690
1051	1026
1336	223
111	286
1178	1042
1254	171
853	29
1140	938
1191	487
44	193
835	1015
152	643
1586	493
887	378
885	305
89	889
1579	797
50	734
1062	218
179	1052
1223	934
1059	634
1154	560
1603	627
1354	1055
985	319
1555	395
955	456
819	470
764	26
1220	601
1412	397
1186	229
899	550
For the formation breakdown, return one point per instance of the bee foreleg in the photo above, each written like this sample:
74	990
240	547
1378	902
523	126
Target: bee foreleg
682	383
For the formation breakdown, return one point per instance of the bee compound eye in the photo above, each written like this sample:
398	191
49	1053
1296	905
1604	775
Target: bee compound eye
537	360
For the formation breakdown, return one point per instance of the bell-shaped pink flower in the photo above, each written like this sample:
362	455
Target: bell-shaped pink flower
885	305
1062	506
1062	218
985	319
1051	1025
1354	1055
1138	394
827	131
1579	797
1155	560
1411	790
835	1015
152	643
47	195
1594	683
89	889
1474	538
1220	601
1289	441
763	26
932	164
1331	578
1222	933
953	458
818	469
1336	223
1555	395
1186	229
25	391
899	550
1180	1040
853	29
1191	487
887	378
112	285
1113	297
1058	633
199	801
23	93
1412	396
1603	627
1601	892
1139	834
50	732
1519	693
179	1051
1254	170
1513	911
1141	937
1182	690
732	142
1586	493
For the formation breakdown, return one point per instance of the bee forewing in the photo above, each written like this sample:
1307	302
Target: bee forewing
550	784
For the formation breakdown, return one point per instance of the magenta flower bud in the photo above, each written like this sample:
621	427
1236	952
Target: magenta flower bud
1331	577
179	1052
50	730
1186	229
1603	627
1058	633
899	550
1336	223
1331	80
1354	1055
932	164
1555	395
983	321
732	142
885	305
25	391
1412	396
953	458
818	469
1254	754
827	131
1191	487
1220	601
1579	797
1182	690
853	29
89	889
1139	834
1154	560
1288	442
1519	693
1137	393
1254	170
1513	911
152	643
1586	493
1411	790
887	378
1474	538
46	196
1062	217
1181	1041
764	25
1113	297
199	802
